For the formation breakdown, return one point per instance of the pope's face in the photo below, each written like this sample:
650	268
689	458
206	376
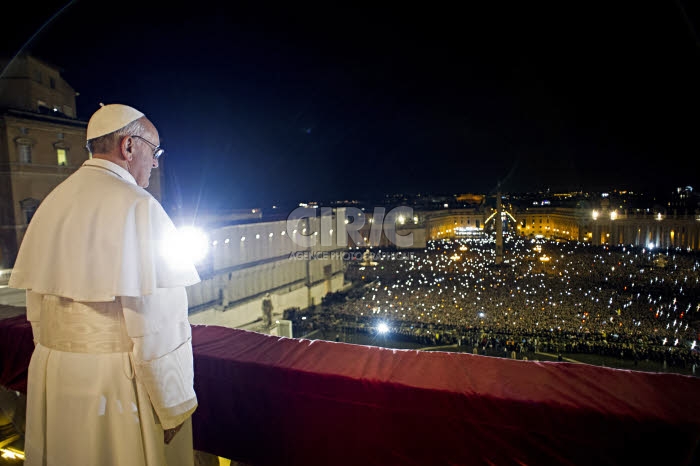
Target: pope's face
143	161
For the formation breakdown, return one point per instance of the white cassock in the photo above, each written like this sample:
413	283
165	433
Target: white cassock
112	366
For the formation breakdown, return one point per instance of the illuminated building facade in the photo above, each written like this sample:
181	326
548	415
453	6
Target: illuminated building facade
42	142
248	261
451	223
655	230
596	226
552	223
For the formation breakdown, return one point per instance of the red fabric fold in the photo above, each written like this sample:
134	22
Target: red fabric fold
292	401
16	347
270	400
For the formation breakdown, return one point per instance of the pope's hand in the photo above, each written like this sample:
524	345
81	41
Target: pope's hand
169	434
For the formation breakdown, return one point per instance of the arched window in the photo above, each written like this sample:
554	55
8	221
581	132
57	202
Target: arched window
24	149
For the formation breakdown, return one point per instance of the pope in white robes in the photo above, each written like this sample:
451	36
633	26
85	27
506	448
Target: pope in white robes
112	372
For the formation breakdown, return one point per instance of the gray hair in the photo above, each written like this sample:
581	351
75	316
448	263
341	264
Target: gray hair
108	142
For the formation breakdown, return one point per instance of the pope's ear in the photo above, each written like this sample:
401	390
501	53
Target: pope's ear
126	147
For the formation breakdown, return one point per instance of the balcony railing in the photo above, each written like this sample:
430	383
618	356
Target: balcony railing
272	400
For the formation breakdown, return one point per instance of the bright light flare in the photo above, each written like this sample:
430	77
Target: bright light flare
11	454
189	245
382	328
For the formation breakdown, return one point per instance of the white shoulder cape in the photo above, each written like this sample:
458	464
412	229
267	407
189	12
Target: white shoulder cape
98	235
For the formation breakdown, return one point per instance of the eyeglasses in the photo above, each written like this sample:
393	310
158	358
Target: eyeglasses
157	151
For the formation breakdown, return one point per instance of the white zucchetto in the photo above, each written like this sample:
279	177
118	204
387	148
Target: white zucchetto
110	118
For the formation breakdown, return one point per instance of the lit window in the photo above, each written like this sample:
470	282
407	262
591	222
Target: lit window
62	157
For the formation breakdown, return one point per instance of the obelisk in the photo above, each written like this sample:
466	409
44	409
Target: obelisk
499	227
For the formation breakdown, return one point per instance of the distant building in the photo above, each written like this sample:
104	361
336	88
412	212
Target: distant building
684	200
597	223
249	263
42	142
216	218
471	199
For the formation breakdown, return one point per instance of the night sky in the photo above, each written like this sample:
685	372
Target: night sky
265	104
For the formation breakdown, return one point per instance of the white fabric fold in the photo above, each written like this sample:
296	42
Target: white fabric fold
103	392
113	244
169	382
158	326
113	365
